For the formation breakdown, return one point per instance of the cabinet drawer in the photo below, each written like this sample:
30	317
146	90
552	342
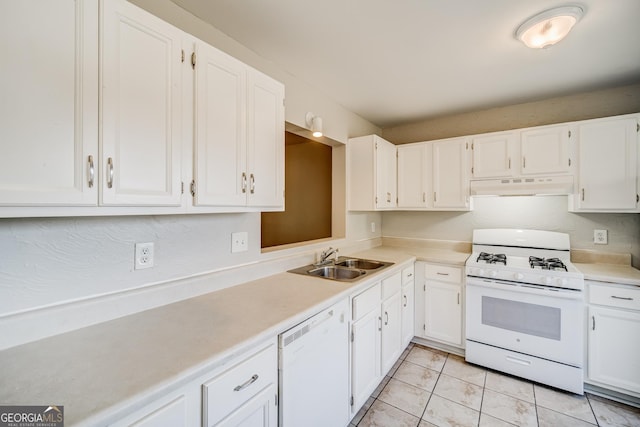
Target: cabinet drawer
614	296
367	301
391	285
443	273
407	275
238	384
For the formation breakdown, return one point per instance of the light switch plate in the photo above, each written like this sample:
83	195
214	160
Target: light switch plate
239	241
600	237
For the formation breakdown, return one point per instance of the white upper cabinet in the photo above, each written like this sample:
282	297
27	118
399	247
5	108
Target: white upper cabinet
220	140
608	165
49	108
371	173
450	176
414	176
265	141
545	150
141	101
239	141
493	154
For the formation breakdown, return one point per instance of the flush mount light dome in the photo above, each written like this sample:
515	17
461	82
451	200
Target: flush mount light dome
549	27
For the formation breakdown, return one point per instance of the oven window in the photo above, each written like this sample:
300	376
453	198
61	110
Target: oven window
530	319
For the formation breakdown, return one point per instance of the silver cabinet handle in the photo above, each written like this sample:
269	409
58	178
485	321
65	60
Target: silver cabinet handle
593	320
244	182
624	298
442	274
386	322
252	185
109	172
405	300
246	384
90	171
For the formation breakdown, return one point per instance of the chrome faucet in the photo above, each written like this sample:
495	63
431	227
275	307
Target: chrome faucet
324	256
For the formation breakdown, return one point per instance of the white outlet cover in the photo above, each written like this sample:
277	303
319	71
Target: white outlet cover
239	241
144	256
600	237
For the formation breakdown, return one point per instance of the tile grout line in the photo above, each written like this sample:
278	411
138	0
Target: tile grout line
591	407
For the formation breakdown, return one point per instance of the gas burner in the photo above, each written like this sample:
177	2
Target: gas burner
547	263
492	258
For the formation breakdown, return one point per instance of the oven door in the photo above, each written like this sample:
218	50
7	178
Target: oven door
533	320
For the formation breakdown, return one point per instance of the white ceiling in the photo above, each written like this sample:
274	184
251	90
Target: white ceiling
400	61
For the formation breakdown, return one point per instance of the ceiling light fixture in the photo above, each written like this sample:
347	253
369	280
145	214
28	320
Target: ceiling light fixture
549	27
315	124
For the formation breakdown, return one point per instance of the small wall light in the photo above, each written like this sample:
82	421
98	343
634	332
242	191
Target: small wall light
549	27
315	124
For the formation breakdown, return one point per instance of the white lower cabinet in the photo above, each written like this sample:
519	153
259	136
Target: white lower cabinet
177	409
441	311
376	336
613	337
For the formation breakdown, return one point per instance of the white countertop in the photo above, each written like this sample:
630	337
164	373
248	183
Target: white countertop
102	371
610	273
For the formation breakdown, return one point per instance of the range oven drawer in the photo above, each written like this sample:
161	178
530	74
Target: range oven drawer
544	371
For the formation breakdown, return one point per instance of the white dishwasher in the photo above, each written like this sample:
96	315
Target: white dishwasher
314	370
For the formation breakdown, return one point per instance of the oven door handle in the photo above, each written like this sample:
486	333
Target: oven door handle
524	288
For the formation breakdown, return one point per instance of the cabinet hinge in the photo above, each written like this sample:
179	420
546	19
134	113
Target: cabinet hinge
637	198
193	188
182	55
376	200
472	170
569	162
569	132
376	145
276	401
182	187
351	400
637	127
193	60
424	288
424	326
352	336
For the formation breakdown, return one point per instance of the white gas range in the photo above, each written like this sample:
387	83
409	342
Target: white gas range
524	306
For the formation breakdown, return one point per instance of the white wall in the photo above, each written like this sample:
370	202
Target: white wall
541	212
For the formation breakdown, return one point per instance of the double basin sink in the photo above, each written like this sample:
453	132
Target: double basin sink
344	269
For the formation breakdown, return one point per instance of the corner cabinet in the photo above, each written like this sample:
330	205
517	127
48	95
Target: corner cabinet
371	174
613	331
239	137
608	158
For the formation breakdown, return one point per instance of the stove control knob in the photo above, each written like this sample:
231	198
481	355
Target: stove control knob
547	280
561	282
493	273
481	272
519	276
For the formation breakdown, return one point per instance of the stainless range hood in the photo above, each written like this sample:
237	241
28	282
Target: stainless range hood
523	186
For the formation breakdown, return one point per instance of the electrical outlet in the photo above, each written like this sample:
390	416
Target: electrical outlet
239	241
144	256
600	237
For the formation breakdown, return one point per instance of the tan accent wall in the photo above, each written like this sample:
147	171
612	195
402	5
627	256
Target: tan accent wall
308	206
583	106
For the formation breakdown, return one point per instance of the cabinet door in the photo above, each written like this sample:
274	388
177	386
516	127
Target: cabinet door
220	140
443	312
608	165
141	101
265	141
407	313
493	155
545	150
414	175
385	174
49	107
365	357
614	347
450	177
391	331
259	411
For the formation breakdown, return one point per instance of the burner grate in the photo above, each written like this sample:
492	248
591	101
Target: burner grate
547	263
492	258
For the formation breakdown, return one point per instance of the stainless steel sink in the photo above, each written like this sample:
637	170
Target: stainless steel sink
343	269
364	264
336	273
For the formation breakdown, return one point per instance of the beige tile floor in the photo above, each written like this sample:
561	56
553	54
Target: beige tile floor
427	387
